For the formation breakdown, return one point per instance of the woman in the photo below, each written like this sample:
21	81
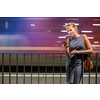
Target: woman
76	46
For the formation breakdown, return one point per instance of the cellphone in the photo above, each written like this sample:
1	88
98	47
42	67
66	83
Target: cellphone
64	42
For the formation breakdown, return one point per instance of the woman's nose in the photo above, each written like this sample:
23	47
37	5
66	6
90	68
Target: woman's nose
69	32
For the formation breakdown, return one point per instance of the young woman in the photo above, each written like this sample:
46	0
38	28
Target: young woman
76	46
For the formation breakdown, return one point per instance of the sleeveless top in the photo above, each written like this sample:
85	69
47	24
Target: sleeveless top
75	44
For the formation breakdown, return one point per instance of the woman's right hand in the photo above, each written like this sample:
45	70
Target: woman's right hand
65	45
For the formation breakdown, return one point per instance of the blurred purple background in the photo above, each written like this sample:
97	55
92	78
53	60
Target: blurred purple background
44	34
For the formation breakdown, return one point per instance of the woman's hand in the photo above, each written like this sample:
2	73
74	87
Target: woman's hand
65	45
75	51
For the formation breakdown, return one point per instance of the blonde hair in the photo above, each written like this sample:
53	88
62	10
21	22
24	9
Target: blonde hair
73	25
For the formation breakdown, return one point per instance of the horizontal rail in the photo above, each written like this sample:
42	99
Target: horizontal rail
46	53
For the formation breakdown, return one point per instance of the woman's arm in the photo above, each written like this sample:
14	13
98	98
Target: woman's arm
66	48
88	46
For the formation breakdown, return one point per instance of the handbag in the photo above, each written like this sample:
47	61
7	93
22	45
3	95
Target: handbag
88	61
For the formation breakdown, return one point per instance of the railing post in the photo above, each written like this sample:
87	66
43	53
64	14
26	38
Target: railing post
16	68
24	70
75	70
53	68
2	68
67	70
9	68
96	67
31	68
38	66
89	70
46	71
82	67
60	66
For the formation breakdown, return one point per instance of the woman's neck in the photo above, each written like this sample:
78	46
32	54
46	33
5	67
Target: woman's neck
76	35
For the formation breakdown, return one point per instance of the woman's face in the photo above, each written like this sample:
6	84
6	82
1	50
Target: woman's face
71	30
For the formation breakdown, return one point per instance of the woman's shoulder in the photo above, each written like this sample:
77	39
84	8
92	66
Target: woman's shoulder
84	35
68	39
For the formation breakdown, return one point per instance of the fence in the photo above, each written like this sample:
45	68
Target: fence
46	54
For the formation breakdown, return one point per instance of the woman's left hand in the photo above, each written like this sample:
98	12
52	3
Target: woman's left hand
75	51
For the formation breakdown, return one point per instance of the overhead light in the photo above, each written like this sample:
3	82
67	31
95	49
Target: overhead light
32	24
6	25
35	18
58	41
96	24
63	30
96	42
95	45
86	31
71	18
96	19
67	35
49	30
90	37
61	37
64	25
74	23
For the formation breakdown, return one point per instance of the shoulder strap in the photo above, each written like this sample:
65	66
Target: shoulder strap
68	43
84	41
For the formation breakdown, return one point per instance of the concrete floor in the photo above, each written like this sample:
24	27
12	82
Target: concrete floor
48	78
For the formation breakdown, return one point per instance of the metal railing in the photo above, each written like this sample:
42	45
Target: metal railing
46	54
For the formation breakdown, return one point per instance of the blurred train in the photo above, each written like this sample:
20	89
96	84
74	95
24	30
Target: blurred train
34	44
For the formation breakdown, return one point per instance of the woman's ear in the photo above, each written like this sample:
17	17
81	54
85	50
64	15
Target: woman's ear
75	28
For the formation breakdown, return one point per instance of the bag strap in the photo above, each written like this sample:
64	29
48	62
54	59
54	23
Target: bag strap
85	45
68	43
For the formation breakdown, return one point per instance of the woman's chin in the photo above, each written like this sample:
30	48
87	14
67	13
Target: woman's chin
71	34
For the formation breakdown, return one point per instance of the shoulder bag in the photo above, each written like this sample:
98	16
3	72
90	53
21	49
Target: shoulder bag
88	60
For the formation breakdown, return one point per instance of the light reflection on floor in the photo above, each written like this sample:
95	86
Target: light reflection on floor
49	78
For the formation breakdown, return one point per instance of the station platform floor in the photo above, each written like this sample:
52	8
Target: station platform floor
48	77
